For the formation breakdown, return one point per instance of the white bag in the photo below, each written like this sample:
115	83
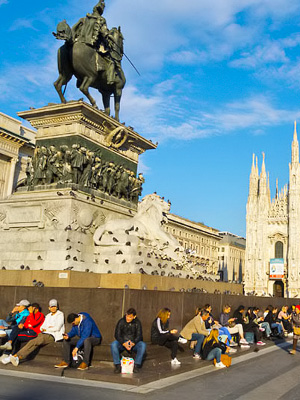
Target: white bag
127	365
2	333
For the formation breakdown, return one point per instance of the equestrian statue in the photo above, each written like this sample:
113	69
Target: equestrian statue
93	54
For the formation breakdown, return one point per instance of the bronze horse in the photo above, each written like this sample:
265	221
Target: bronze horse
82	61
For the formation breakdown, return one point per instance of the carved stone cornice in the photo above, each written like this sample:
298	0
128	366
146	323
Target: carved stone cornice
278	236
57	120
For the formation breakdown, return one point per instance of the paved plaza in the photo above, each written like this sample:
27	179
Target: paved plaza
270	373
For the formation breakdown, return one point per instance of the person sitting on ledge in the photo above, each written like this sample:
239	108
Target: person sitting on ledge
89	335
17	318
210	322
232	325
163	336
195	330
285	319
52	330
129	336
212	348
31	327
271	318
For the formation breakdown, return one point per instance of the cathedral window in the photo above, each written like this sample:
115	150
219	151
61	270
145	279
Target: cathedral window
278	249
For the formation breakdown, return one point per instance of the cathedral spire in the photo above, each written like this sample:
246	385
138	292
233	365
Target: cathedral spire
263	167
253	164
295	146
263	178
253	186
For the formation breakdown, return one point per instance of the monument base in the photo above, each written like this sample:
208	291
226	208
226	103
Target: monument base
74	279
53	229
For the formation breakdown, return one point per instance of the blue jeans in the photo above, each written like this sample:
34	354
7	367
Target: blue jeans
266	325
117	348
225	331
199	338
278	326
215	354
4	323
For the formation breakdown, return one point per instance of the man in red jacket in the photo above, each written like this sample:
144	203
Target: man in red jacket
31	327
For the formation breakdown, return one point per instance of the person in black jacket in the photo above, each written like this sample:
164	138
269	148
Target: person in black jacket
163	336
129	336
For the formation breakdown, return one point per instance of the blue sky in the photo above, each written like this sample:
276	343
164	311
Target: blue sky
220	79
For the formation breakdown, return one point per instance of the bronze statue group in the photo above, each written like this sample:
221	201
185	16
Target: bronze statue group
207	338
83	167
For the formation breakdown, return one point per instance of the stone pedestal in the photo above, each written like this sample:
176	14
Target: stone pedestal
50	225
49	231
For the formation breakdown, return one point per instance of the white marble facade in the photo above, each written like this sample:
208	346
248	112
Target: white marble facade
273	230
16	144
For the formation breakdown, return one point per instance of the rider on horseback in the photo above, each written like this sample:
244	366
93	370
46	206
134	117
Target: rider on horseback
92	30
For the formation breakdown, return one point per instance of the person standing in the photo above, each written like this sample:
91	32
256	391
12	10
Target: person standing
296	328
129	336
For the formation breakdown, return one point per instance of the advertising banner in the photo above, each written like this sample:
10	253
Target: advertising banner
276	268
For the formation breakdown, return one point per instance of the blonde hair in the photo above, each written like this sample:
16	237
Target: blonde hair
214	336
163	314
198	310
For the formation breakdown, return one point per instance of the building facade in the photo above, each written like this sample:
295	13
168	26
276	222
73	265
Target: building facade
231	257
16	144
272	265
198	240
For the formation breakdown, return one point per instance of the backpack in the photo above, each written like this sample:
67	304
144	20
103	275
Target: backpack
76	363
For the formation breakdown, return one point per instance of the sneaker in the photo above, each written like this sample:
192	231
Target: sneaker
197	356
63	364
83	366
175	361
233	344
243	341
6	360
182	340
262	329
293	352
230	351
245	346
14	360
260	343
290	334
220	365
6	346
117	369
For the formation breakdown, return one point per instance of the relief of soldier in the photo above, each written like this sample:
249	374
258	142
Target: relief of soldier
78	165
